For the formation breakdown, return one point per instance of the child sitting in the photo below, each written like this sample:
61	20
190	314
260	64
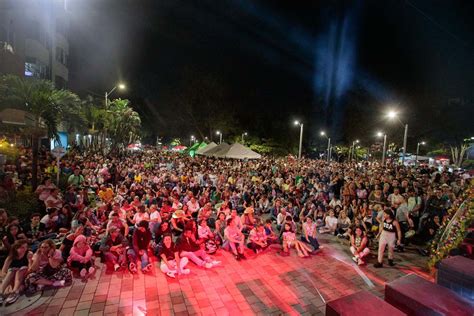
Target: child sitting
80	257
359	245
290	241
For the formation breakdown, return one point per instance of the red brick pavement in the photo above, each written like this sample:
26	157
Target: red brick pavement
264	284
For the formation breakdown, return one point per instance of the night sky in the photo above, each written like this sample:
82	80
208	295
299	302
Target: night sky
323	61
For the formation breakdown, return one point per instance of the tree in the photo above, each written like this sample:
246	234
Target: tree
457	153
47	105
122	123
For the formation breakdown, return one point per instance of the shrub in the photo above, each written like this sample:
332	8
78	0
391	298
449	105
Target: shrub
22	204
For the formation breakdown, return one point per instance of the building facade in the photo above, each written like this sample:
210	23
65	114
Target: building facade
34	40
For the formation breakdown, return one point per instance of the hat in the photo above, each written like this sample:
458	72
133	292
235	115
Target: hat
249	210
179	214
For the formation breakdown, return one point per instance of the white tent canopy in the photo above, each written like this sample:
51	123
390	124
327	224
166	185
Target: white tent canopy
203	150
218	151
239	151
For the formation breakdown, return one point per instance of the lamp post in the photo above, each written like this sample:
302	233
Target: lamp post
417	151
121	86
301	138
353	149
243	135
380	134
220	136
192	140
323	133
394	115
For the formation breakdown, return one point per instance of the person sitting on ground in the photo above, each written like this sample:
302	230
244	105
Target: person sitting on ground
248	220
178	222
140	215
257	240
14	271
272	237
281	217
204	232
290	241
155	219
359	243
113	247
46	268
190	249
80	257
343	224
68	242
235	239
221	224
330	224
309	233
140	242
117	222
13	234
171	264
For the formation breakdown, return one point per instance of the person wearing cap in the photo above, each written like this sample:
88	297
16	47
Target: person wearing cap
140	242
178	221
248	220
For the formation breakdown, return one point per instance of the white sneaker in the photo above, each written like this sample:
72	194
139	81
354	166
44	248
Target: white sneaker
59	283
91	271
170	274
185	271
208	265
83	273
355	259
116	267
215	262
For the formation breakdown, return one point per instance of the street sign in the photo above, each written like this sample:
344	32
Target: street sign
58	152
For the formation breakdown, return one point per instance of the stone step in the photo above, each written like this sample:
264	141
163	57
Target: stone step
457	273
417	296
362	303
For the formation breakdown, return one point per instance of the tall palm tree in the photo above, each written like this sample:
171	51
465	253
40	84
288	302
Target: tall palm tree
122	122
47	105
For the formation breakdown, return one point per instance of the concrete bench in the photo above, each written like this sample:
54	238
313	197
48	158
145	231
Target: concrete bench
416	296
361	303
457	273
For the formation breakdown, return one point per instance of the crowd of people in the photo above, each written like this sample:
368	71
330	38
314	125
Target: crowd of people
129	208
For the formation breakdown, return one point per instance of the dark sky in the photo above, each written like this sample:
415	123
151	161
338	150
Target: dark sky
296	58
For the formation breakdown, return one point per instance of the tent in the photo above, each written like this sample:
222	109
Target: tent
201	151
218	151
239	151
192	151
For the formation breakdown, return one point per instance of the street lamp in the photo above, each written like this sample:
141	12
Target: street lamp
418	150
394	115
323	133
220	136
192	140
121	86
244	134
301	137
380	134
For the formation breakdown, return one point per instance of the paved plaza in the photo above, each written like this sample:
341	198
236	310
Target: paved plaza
264	284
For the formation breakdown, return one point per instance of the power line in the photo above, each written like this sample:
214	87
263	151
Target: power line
432	20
